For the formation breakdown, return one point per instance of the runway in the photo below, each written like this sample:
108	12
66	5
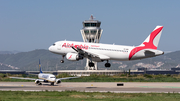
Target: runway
128	87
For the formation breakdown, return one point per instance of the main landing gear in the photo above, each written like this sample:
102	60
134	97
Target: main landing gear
39	83
62	61
91	64
107	64
52	83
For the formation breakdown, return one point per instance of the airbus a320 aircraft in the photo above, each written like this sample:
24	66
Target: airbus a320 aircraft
75	51
46	78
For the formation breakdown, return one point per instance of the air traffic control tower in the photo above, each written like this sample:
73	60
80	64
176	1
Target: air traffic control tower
91	32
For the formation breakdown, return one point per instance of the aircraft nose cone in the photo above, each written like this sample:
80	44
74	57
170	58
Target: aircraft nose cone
53	49
50	48
53	80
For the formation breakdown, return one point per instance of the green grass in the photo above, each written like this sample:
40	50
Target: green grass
85	96
103	78
128	78
110	79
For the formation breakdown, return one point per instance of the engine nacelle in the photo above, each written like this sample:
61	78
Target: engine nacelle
73	56
58	81
37	81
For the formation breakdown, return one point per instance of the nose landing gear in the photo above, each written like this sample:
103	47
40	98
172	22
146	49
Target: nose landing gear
62	61
52	83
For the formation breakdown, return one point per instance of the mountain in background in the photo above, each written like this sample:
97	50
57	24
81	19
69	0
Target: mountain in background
9	52
51	62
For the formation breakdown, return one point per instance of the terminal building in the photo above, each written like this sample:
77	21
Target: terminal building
99	72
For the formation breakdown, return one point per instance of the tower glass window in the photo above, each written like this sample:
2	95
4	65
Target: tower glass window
93	31
86	31
93	24
87	24
90	24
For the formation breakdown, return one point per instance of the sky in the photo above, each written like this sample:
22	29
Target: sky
26	25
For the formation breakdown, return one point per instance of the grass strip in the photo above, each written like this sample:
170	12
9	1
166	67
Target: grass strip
85	96
103	78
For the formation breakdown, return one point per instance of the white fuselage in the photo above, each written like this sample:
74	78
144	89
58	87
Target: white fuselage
96	52
47	77
113	52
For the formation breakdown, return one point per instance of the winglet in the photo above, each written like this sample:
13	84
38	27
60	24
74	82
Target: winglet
40	67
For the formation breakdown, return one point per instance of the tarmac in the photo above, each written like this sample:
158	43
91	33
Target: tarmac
115	87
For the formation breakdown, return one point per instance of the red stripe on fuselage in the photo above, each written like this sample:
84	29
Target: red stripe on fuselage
147	45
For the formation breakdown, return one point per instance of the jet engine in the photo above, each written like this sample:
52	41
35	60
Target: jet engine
37	81
74	56
58	81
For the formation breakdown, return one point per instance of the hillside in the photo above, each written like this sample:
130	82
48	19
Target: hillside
49	61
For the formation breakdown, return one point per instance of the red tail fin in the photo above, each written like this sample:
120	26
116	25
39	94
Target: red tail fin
151	41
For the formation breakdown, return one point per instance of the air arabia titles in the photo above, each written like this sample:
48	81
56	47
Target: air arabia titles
69	45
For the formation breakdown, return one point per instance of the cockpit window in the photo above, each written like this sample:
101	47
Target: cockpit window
54	44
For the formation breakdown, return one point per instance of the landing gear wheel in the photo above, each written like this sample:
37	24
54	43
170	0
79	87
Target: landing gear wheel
62	61
107	65
39	83
91	64
52	83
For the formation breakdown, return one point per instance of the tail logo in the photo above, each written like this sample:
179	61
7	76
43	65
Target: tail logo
147	45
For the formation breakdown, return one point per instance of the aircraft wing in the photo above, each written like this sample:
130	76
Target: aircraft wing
67	78
23	78
88	54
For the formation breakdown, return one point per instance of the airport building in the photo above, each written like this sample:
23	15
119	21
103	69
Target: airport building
91	32
99	72
116	72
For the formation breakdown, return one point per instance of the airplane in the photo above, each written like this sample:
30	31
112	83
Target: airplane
46	78
75	51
